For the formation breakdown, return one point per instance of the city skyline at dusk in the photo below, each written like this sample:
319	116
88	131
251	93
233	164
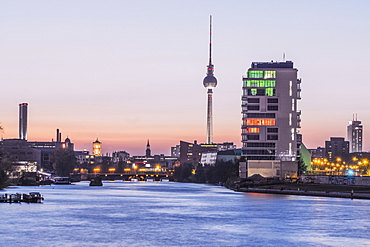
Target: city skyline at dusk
126	72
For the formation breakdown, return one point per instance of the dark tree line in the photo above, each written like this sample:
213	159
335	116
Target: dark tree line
222	172
64	161
5	168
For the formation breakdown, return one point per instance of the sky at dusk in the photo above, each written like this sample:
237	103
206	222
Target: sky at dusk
129	71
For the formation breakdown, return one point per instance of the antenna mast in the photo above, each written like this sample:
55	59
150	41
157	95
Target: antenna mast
210	39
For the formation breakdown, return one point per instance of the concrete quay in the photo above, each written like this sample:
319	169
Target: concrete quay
350	195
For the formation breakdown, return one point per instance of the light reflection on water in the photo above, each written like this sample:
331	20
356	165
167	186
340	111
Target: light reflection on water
175	214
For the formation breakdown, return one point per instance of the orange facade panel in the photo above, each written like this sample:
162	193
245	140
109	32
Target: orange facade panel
261	121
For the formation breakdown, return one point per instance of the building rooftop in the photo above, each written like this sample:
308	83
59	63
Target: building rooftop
271	65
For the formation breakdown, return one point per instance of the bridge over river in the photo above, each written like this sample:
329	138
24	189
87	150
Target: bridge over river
127	176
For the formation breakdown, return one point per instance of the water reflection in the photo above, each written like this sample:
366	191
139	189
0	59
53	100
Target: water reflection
174	214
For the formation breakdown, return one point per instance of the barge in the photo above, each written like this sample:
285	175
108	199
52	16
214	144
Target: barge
32	197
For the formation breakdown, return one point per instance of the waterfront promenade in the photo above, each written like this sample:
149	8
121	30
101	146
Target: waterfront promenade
323	190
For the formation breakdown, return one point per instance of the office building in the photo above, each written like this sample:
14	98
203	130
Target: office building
337	147
318	153
270	120
354	136
193	152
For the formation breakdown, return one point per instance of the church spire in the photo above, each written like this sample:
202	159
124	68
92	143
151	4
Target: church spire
148	151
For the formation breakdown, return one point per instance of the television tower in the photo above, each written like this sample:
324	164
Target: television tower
210	82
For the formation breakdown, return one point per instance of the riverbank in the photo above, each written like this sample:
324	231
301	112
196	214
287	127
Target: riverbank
324	190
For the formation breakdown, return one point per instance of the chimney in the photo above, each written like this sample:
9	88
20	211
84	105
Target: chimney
23	121
57	135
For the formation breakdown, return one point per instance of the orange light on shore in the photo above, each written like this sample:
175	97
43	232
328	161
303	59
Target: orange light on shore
97	169
112	169
127	169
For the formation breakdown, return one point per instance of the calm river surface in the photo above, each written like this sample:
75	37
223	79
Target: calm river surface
177	214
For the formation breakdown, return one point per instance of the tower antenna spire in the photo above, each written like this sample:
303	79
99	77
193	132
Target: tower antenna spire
210	82
210	40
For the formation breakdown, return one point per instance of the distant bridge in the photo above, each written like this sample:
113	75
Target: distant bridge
127	176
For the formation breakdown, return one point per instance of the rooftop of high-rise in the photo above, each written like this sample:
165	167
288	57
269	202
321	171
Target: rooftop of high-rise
272	64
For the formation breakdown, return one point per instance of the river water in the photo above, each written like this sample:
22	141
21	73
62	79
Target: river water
178	214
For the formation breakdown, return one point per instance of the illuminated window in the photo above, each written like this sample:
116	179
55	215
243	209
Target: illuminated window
260	83
260	121
270	92
256	91
253	130
270	74
255	74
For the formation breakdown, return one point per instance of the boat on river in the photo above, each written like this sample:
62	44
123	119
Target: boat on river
32	197
96	182
61	180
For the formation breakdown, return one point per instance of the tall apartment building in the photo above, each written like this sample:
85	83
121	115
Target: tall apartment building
270	120
354	136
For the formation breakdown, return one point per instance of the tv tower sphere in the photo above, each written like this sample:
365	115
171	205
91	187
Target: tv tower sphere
210	81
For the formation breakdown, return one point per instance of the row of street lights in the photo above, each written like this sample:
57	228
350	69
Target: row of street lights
355	167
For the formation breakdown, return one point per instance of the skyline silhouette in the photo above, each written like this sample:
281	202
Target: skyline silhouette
133	71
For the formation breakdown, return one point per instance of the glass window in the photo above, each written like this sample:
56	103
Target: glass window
253	100
272	100
261	92
259	115
272	137
260	83
260	144
253	107
270	74
253	137
272	108
253	130
255	74
270	92
260	121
